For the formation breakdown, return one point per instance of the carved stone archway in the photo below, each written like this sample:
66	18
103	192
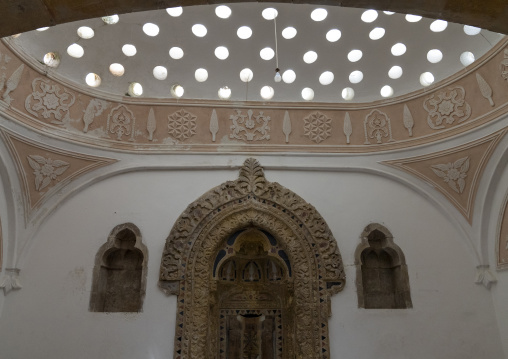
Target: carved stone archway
251	202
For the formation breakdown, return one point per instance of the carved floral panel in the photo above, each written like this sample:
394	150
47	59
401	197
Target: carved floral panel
182	125
447	107
50	101
249	127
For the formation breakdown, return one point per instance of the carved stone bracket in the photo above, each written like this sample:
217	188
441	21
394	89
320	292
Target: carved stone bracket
10	280
484	276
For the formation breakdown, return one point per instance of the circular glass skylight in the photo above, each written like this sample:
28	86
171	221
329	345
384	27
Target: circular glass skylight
267	92
111	20
160	72
377	33
471	30
354	55
398	49
426	79
310	56
51	59
434	56
223	11
116	69
413	18
389	12
289	76
318	14
151	29
348	94
246	75
395	72
76	51
244	32
201	75
199	30
289	32
129	50
467	58
355	77
333	35
267	53
221	52
438	25
176	53
85	32
135	89
369	16
386	91
175	11
308	94
224	93
326	78
269	13
93	80
42	28
177	91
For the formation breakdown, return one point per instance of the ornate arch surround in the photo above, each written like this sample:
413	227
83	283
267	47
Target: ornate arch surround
203	228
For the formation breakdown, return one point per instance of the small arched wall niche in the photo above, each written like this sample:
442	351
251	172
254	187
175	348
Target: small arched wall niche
119	277
381	272
254	267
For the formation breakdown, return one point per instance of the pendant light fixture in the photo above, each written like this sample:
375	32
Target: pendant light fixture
277	77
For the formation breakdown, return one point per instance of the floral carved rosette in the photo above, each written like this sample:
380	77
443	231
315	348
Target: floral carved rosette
121	121
453	173
46	170
377	125
317	126
182	125
49	101
446	107
249	127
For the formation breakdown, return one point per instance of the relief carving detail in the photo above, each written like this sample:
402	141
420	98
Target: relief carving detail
249	127
453	173
317	126
46	170
182	125
377	125
446	107
95	108
121	121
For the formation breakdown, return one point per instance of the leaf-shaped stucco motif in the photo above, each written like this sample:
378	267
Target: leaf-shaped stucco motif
151	124
408	120
348	127
33	163
438	172
214	124
286	126
485	89
463	163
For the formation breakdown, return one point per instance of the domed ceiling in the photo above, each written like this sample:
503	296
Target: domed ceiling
325	54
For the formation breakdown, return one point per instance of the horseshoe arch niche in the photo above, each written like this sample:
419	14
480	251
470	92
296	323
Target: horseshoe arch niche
272	254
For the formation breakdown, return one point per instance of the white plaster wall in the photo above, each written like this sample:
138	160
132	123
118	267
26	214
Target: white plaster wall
452	316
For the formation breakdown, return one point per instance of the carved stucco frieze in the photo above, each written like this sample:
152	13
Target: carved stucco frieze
249	127
377	125
317	126
182	125
94	109
121	121
447	107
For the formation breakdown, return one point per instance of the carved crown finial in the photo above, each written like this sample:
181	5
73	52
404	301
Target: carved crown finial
251	178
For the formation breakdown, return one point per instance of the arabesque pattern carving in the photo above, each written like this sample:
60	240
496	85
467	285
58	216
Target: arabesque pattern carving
247	128
251	201
446	107
377	125
453	173
317	126
121	121
50	101
182	125
46	170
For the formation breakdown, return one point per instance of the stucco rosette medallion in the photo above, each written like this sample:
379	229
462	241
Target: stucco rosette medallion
317	126
46	170
182	125
453	173
446	107
50	101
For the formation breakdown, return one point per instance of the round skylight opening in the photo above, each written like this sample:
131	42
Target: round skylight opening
426	79
199	30
389	12
434	56
177	91
151	29
355	77
333	35
51	59
398	49
386	91
438	25
222	52
223	11
224	92
85	32
395	72
246	75
309	57
116	69
201	75
176	53
93	80
160	72
467	58
326	78
267	53
269	13
354	55
135	89
413	18
289	32
471	30
289	76
111	20
377	33
43	28
175	11
244	32
318	14
308	94
76	51
267	92
348	94
129	50
369	15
